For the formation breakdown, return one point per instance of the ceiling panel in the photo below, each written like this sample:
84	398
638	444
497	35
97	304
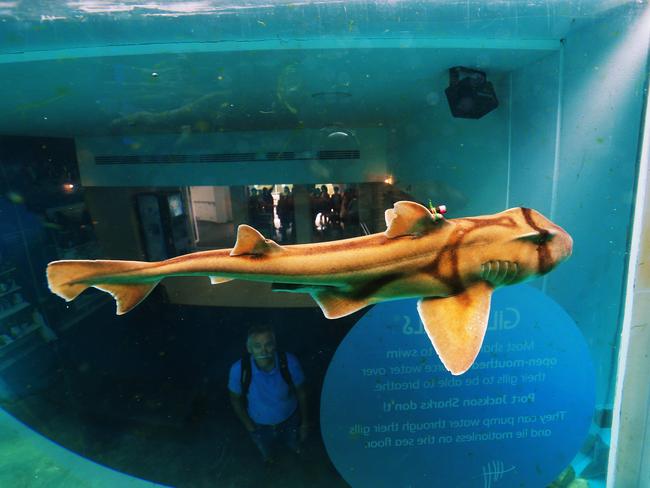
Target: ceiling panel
242	90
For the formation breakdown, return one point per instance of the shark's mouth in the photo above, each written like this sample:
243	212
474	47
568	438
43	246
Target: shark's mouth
499	273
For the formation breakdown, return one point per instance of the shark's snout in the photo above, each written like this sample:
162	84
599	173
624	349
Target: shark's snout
541	244
565	244
558	241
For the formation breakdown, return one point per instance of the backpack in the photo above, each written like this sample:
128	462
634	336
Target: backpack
247	374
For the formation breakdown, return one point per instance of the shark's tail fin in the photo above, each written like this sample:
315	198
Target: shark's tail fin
69	278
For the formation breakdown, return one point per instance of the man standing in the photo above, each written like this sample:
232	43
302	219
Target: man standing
268	395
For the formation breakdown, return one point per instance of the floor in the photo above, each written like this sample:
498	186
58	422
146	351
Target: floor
28	459
210	456
199	451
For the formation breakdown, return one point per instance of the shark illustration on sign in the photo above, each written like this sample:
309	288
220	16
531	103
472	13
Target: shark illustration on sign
452	265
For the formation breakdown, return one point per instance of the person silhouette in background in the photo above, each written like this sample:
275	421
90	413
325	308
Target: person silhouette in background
335	202
285	211
254	207
268	395
314	206
266	218
324	206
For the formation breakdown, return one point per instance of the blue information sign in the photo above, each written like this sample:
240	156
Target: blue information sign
392	416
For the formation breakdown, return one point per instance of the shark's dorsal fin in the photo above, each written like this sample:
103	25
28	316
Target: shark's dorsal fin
456	325
250	241
410	219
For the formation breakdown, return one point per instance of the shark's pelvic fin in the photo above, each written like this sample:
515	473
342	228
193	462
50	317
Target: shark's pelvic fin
456	325
410	219
335	303
250	241
217	280
127	295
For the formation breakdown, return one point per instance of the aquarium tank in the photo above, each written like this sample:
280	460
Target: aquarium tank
328	243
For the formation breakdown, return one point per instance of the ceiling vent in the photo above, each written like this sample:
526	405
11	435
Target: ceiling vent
339	154
227	157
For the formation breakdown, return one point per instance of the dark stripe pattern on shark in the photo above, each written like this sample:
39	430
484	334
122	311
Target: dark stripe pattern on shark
543	253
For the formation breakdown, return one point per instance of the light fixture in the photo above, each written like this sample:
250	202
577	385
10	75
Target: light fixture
469	94
337	137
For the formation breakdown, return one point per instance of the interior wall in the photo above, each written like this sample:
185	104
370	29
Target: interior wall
602	94
116	222
223	204
371	142
462	163
533	124
211	203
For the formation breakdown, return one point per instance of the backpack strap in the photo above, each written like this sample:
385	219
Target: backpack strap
246	375
284	370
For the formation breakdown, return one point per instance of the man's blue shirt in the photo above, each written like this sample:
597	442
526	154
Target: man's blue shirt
270	400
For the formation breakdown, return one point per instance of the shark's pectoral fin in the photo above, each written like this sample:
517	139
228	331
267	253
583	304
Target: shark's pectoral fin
250	241
410	219
336	304
456	325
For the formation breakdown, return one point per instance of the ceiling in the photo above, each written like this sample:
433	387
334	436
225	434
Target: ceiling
85	68
249	90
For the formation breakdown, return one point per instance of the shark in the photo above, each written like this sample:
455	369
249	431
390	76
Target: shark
452	265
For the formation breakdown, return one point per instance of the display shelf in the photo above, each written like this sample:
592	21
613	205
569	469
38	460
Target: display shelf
13	310
15	318
10	360
18	340
9	292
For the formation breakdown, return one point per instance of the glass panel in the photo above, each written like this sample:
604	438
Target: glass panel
349	243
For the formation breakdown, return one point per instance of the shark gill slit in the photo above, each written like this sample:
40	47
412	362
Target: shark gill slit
543	254
476	224
455	282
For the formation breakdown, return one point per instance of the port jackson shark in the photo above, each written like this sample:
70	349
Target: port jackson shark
451	265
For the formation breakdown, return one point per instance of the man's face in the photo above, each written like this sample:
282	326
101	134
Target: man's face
261	346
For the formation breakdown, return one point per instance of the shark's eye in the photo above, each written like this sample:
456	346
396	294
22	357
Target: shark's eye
543	237
538	238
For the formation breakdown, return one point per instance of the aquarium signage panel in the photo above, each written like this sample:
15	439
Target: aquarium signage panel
392	415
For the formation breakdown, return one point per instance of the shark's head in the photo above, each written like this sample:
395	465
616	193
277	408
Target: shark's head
525	245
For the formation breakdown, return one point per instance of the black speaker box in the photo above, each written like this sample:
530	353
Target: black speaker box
469	94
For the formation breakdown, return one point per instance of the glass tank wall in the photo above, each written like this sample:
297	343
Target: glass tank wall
336	344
